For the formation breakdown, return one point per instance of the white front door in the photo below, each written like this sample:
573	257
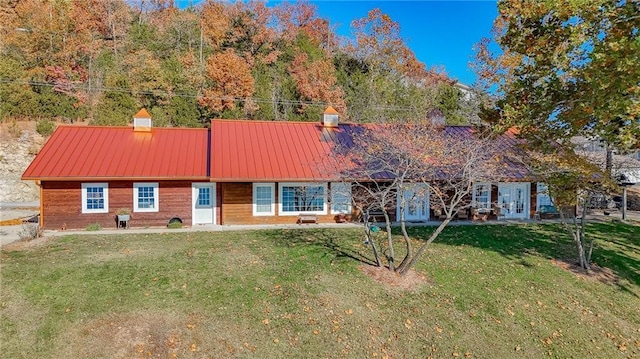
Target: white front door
416	207
513	199
203	200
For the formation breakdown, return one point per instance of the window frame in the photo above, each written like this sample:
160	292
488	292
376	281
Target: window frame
281	210
335	191
156	196
272	192
474	201
211	190
544	193
105	194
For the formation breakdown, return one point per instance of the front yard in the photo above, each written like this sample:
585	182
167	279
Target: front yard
487	292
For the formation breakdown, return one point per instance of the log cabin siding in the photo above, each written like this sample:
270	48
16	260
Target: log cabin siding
237	207
62	205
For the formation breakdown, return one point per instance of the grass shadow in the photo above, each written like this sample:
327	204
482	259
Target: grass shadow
617	245
341	243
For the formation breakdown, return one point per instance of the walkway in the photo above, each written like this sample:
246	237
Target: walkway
9	234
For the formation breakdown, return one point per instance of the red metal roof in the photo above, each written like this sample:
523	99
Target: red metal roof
95	153
275	151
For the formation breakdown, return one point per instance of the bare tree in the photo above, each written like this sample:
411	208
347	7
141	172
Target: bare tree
396	166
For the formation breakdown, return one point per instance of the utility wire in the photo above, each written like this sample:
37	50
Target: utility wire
191	95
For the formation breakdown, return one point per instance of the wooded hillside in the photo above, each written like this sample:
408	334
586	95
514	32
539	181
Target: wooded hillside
102	60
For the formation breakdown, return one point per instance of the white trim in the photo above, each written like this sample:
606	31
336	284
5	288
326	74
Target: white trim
156	196
341	188
281	212
413	188
527	198
195	191
544	193
474	202
272	192
105	193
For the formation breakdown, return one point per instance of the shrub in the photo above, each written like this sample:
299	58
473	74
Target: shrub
14	129
45	127
30	231
94	227
174	225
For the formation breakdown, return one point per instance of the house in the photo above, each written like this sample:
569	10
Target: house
236	172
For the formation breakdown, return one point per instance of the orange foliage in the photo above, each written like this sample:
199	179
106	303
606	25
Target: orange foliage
231	79
316	81
214	22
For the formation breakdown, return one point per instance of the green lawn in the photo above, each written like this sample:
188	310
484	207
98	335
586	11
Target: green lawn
490	292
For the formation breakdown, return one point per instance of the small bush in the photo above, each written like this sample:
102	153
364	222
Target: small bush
94	227
14	129
174	225
45	127
34	149
30	231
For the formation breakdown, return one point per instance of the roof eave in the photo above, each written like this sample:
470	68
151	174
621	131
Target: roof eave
103	179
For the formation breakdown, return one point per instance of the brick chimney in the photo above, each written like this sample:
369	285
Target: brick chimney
142	121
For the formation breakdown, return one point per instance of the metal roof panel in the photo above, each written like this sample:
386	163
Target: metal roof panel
108	152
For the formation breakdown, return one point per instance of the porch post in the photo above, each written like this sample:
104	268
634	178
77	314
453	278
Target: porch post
624	203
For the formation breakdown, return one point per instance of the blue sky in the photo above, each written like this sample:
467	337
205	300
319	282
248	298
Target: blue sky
441	33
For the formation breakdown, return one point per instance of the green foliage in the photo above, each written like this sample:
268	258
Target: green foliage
448	99
111	58
116	108
18	100
93	227
174	225
45	127
568	68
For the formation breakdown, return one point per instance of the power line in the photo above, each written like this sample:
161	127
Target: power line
193	95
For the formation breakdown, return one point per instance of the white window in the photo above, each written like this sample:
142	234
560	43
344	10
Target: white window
340	198
264	199
296	198
95	198
542	197
145	197
482	195
204	197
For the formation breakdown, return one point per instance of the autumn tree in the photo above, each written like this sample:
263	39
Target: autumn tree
567	68
572	180
397	166
383	78
231	82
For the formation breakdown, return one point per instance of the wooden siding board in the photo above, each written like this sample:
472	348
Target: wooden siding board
62	205
237	207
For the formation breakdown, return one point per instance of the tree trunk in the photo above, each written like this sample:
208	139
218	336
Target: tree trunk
608	167
405	235
374	248
577	234
422	248
391	256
